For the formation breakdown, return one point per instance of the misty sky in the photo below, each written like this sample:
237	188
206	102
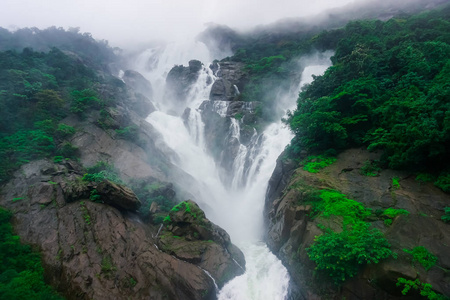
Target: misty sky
125	21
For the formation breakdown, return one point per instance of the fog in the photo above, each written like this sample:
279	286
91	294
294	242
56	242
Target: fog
127	22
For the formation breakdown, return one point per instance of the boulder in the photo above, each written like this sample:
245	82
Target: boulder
190	236
91	250
138	82
180	79
118	195
231	79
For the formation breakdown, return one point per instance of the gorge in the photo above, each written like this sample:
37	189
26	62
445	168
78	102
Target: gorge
294	161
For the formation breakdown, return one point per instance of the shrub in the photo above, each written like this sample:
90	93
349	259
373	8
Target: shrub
395	183
443	182
313	164
370	168
340	254
446	216
101	171
425	289
21	272
422	256
393	212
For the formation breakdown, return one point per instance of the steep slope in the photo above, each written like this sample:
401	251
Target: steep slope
294	223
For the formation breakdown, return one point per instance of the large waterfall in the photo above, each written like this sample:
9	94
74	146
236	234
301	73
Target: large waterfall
236	206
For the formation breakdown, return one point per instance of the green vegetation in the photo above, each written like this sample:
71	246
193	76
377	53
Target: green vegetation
395	183
314	164
37	90
387	89
21	272
425	289
393	212
446	216
102	171
340	254
421	255
152	192
370	168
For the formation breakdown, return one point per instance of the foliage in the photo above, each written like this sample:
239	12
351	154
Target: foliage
313	164
128	133
446	216
149	193
422	256
370	168
443	182
102	171
395	182
340	254
425	289
393	212
387	90
21	272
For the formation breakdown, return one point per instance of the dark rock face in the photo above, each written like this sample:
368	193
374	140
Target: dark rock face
118	196
180	79
222	139
138	82
231	79
290	230
92	250
138	95
191	237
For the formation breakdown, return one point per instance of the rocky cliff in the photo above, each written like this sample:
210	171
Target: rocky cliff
293	225
103	250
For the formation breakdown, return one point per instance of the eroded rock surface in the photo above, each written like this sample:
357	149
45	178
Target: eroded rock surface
291	230
190	236
94	250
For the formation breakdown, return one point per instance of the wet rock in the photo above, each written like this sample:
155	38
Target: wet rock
180	79
231	79
291	230
118	195
92	250
138	82
191	237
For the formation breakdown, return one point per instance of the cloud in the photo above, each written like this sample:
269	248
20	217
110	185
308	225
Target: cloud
129	21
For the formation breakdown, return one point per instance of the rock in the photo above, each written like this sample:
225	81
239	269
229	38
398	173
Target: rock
140	104
230	81
118	195
191	237
180	79
138	82
290	230
94	251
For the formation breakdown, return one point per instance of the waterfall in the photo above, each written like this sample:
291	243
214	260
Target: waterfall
237	208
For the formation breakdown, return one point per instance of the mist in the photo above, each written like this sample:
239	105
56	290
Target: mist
138	21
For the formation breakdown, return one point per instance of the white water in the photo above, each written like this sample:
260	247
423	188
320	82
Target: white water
239	208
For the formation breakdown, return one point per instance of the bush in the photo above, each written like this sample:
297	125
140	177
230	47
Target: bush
446	216
314	164
422	256
443	182
340	254
21	272
102	171
425	289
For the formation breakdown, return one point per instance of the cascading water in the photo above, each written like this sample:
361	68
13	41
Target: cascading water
237	208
